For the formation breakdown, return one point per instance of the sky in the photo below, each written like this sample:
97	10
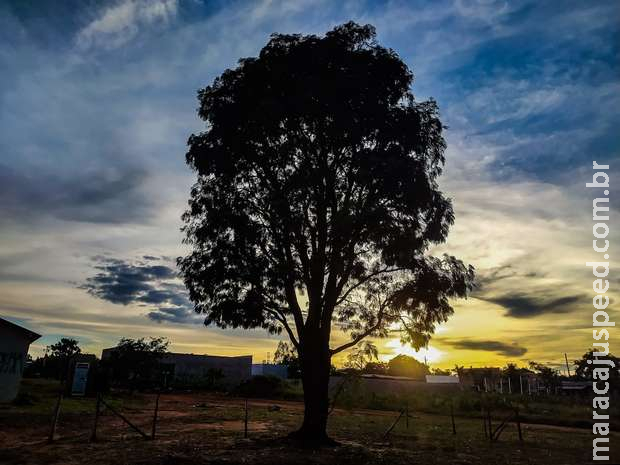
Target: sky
98	99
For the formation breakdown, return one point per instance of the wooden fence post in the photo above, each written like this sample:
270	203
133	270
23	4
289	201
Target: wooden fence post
155	415
93	434
245	427
452	415
490	424
518	419
407	414
55	418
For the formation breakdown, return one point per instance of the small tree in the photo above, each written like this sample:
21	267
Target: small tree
403	365
58	356
134	362
549	376
585	368
359	357
317	200
64	349
286	354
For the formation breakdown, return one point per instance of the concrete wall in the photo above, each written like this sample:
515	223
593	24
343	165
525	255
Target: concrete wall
192	368
13	352
270	369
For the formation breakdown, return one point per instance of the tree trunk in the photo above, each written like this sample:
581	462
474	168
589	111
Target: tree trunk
315	366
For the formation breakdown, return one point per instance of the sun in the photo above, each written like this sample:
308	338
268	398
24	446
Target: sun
428	354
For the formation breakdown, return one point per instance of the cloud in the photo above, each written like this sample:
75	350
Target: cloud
120	23
527	306
509	350
111	195
146	283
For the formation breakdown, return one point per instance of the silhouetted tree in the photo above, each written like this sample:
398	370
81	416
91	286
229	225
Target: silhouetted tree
134	362
286	354
316	199
403	365
55	362
359	357
585	366
549	376
64	349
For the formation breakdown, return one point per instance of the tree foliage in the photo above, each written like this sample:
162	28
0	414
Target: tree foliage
55	362
316	201
135	362
64	349
286	354
585	368
317	175
404	365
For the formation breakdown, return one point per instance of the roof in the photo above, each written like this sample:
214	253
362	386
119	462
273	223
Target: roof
442	379
576	385
30	335
397	378
177	355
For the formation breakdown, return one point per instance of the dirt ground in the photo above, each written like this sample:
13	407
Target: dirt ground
208	429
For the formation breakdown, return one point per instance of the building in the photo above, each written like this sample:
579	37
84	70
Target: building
442	379
270	369
201	370
15	341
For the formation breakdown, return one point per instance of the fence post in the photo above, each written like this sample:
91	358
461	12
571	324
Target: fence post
93	434
55	418
407	413
245	427
518	418
452	415
155	415
490	424
484	421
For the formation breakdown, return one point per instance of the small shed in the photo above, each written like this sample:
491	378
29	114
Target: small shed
15	341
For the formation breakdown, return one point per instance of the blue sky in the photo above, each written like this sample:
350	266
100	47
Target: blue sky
97	100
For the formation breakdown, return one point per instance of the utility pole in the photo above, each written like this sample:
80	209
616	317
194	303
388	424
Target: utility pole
567	367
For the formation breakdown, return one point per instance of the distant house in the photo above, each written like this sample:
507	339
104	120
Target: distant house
192	369
15	341
270	369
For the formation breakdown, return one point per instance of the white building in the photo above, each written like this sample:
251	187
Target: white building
14	343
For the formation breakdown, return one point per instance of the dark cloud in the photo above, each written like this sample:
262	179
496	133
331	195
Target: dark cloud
490	277
99	196
527	306
497	285
512	350
146	283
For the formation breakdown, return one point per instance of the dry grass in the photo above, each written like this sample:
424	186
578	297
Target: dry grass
207	429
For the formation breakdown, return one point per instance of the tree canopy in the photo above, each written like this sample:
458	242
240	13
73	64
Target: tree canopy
64	349
404	365
316	201
317	176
